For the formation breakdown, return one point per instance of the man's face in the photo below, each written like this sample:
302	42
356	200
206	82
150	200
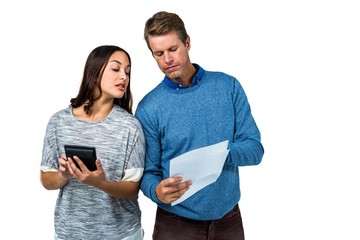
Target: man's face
171	55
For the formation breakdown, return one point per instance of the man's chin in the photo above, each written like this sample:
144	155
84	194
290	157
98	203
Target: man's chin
172	75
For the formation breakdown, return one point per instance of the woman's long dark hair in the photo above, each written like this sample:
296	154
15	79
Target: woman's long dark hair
93	71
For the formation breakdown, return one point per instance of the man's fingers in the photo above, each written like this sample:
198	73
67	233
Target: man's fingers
171	181
171	189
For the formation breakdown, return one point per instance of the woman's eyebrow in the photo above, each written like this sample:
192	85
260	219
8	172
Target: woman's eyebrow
119	62
116	61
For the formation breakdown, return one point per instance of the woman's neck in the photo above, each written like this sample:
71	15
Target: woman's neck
97	112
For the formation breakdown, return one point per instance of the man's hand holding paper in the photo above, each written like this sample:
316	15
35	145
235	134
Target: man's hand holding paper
202	166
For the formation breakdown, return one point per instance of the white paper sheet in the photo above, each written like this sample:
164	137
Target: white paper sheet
202	166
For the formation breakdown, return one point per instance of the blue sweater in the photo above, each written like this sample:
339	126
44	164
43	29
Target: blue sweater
178	120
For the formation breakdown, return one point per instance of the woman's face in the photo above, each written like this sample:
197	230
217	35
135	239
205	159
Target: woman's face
115	78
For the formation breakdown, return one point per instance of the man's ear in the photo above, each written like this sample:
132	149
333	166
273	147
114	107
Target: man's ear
187	42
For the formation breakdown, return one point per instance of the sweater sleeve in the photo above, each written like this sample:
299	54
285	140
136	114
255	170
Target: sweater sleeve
246	148
152	171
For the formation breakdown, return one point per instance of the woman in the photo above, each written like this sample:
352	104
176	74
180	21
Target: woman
100	204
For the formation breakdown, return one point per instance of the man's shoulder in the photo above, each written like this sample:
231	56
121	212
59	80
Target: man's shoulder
219	78
153	95
218	74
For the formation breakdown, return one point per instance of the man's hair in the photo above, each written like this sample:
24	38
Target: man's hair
162	23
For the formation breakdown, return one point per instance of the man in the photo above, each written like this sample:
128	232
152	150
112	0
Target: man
189	109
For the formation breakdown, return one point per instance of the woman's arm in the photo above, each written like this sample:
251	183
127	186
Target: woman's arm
55	180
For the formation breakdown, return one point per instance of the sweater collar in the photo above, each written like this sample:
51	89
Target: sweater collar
195	80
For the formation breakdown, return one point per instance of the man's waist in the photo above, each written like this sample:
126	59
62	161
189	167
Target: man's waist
205	217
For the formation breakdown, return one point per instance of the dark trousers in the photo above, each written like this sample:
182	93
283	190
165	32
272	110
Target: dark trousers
169	226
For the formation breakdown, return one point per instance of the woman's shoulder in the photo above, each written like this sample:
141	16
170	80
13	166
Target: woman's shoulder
61	113
123	115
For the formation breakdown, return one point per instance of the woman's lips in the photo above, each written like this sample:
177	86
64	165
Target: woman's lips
121	87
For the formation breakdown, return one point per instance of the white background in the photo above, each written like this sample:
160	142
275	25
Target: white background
299	62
